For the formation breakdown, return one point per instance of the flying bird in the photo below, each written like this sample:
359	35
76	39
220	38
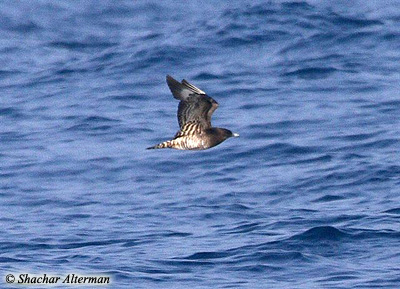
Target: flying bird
194	118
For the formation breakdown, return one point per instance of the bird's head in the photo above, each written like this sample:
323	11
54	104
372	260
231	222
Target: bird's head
227	133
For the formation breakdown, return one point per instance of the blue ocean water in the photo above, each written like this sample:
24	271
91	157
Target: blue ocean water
307	197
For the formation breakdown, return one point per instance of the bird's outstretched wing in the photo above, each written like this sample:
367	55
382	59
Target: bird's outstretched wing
195	106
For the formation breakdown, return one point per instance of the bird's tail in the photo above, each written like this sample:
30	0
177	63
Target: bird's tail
163	145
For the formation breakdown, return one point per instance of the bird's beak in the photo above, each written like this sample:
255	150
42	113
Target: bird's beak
235	134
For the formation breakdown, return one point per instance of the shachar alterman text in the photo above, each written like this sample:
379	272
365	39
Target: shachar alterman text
69	279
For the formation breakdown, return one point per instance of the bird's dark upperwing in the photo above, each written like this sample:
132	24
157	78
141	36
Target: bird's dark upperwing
195	105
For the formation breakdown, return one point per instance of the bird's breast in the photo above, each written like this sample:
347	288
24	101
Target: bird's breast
191	142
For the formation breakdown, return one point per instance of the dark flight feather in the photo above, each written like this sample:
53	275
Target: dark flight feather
194	106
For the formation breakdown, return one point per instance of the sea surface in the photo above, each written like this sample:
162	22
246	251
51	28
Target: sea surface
307	197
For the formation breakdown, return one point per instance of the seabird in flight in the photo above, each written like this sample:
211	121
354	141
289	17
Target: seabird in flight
194	117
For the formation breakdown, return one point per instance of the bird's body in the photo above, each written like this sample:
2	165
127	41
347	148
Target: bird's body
194	117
